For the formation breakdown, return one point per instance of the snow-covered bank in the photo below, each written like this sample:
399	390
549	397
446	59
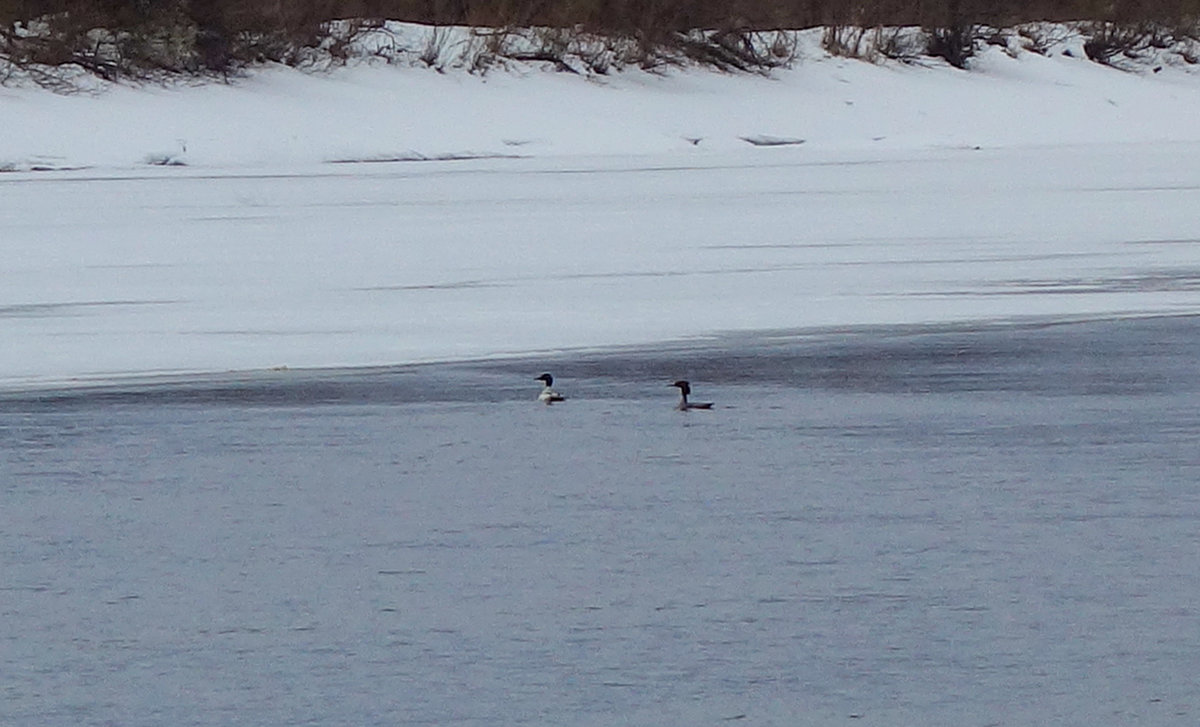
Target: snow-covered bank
380	111
637	211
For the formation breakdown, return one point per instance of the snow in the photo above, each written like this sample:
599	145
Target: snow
564	211
283	116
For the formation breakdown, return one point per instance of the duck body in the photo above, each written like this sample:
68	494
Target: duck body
685	389
548	394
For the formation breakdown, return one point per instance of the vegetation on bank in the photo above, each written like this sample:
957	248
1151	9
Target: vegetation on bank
140	38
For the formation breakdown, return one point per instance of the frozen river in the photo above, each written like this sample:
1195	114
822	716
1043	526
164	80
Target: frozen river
112	272
936	525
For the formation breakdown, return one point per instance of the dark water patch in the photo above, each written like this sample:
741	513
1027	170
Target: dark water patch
296	387
452	285
1165	241
1100	356
31	310
1156	355
1150	281
413	156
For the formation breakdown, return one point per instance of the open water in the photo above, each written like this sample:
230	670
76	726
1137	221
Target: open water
988	525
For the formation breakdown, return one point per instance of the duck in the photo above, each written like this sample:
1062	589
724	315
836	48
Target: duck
684	405
548	395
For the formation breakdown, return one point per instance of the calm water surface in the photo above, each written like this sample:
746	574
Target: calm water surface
991	526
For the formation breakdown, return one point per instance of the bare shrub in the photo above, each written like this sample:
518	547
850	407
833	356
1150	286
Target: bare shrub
1041	37
899	44
781	46
134	37
342	35
434	48
1108	41
905	44
547	45
1189	29
600	54
847	41
486	48
726	50
955	43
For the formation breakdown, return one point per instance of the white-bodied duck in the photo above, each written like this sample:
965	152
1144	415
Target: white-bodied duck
548	395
